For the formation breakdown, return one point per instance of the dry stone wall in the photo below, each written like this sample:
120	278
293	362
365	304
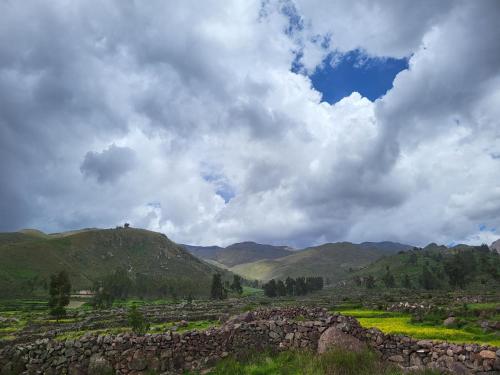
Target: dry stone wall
279	329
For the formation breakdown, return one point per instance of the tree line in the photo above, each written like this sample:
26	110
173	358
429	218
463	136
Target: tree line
292	287
220	289
439	270
120	285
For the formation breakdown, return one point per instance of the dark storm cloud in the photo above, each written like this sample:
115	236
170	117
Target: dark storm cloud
108	165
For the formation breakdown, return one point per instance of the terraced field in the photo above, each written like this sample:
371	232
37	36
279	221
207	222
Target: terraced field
466	330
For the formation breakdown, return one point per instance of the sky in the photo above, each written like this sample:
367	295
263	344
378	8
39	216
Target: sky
280	121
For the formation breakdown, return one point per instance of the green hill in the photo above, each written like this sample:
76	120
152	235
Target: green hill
26	261
332	261
447	267
238	253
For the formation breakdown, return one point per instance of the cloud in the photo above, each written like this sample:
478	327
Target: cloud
108	165
206	119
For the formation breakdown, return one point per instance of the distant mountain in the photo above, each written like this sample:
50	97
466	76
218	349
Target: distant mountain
30	257
332	260
204	252
238	253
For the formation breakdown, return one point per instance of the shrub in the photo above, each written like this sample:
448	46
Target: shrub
137	322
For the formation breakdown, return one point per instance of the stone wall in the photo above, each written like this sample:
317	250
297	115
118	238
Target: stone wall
278	329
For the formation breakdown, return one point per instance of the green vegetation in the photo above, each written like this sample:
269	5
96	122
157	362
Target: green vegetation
250	291
337	362
433	268
90	256
292	287
199	325
136	321
217	290
431	328
236	285
59	292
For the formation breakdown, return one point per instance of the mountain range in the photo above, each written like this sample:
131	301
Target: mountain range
238	253
264	262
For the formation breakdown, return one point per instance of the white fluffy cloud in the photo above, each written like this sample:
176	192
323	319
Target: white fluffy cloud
187	119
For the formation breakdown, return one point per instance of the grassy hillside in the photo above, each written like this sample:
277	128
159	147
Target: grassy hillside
387	247
238	253
478	265
332	261
26	264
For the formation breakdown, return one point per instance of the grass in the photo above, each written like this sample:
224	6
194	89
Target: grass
399	323
338	362
249	291
142	302
199	325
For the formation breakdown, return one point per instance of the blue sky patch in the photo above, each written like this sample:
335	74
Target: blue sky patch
343	74
222	188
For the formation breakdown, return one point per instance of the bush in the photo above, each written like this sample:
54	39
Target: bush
137	321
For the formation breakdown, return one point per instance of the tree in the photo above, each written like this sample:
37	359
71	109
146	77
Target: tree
413	258
102	298
270	288
217	290
290	286
236	285
300	286
280	288
357	280
460	268
370	282
427	279
388	278
137	322
59	290
406	281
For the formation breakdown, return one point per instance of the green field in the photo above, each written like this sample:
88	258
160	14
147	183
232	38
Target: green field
399	323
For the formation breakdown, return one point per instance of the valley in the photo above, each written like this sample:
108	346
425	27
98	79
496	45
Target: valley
131	285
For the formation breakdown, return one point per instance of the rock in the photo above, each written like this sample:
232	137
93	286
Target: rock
138	361
334	337
459	369
99	365
449	321
487	354
274	335
425	344
496	364
396	358
245	317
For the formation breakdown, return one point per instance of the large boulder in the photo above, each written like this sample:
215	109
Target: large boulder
335	338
